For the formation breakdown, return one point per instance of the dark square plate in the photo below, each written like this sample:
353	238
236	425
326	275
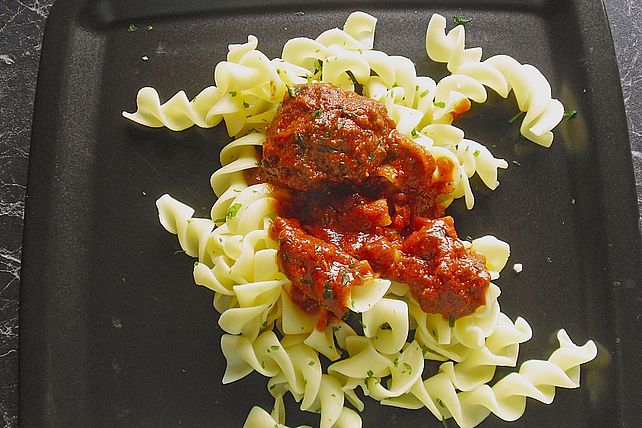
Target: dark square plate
114	333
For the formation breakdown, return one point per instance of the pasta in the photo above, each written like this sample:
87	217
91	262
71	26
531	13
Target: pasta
266	331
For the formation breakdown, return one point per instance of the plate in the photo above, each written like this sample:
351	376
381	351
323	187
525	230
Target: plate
113	331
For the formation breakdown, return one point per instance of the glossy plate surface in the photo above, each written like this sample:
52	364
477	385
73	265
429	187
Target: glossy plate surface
113	331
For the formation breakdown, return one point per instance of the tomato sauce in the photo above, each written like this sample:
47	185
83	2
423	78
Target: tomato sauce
358	200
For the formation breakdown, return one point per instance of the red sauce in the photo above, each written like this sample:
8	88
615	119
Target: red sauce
357	199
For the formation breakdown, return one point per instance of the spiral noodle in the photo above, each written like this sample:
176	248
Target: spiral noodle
501	73
265	331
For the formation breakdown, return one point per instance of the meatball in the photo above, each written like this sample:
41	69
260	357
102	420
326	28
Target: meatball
323	136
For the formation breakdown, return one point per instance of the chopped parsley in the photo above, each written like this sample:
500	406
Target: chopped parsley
149	28
570	114
424	93
316	113
517	116
233	209
370	373
408	367
291	92
318	65
311	363
439	104
413	133
275	347
476	153
233	93
345	277
461	19
245	105
386	326
396	362
328	293
131	28
451	321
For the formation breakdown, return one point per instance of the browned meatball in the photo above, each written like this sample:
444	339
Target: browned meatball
323	136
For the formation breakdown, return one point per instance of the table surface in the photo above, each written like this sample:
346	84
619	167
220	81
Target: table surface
22	25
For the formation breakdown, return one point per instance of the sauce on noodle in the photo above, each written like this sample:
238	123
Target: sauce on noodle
357	199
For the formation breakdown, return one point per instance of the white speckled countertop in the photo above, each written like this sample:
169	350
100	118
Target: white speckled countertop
22	25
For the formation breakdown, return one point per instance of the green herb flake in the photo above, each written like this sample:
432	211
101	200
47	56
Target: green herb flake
370	373
439	104
408	367
386	326
517	116
233	93
328	293
570	114
245	105
451	321
414	134
333	395
149	28
345	277
291	91
396	362
311	363
461	19
131	28
318	65
549	260
316	113
233	209
476	153
272	387
424	93
440	403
